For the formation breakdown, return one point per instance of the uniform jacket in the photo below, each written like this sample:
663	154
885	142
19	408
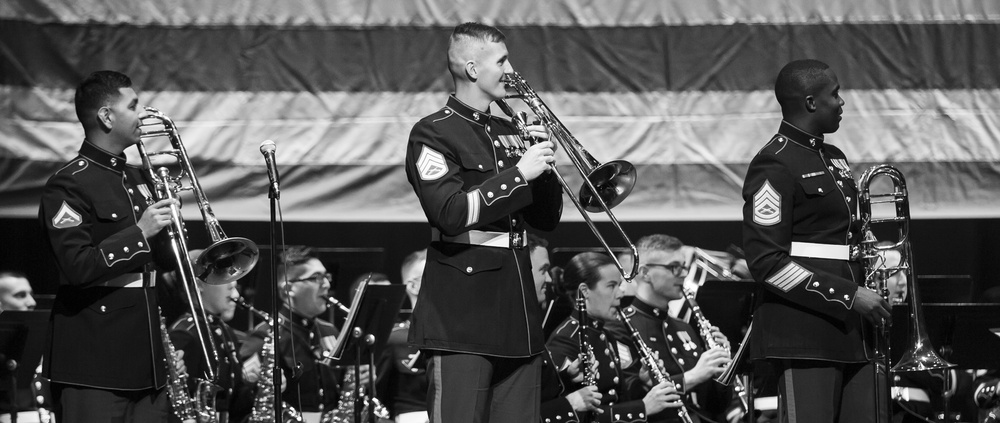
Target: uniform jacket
679	346
800	189
184	336
477	299
610	355
316	388
402	373
88	212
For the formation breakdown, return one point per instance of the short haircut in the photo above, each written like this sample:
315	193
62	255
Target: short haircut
535	241
799	79
293	257
657	242
463	38
411	259
98	90
12	274
582	268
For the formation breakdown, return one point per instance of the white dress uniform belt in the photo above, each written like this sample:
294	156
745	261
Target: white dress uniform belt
130	280
512	240
822	251
905	393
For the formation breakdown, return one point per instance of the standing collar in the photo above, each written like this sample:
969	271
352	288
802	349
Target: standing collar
468	112
649	310
803	138
102	157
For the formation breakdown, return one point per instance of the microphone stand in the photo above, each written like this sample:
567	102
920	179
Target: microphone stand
274	196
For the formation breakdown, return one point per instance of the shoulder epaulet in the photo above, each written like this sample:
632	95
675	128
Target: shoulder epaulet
777	143
405	325
183	324
628	311
78	164
568	328
442	114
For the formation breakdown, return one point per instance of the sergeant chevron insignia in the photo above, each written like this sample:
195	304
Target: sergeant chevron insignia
431	165
66	217
767	206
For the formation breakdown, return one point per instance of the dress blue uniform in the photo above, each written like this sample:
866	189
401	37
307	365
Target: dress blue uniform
184	336
611	355
477	298
680	347
402	374
800	234
104	318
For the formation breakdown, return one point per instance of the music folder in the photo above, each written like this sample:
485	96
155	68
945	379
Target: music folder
367	327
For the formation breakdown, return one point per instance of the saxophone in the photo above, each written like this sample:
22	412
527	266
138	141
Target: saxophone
344	413
177	382
647	358
705	330
263	402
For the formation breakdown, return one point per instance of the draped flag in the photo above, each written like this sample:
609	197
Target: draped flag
682	89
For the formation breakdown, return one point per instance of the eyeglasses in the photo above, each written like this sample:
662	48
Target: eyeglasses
677	269
317	278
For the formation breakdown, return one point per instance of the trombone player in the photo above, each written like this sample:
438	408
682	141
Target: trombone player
800	222
476	311
106	360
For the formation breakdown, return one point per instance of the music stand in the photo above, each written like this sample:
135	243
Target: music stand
22	341
366	329
729	305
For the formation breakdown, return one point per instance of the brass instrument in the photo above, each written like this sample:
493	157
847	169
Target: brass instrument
226	260
586	349
177	382
647	358
921	355
605	185
263	403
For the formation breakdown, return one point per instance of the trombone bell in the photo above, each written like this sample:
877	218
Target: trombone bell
227	260
614	181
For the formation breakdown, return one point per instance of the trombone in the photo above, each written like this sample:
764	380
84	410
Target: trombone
921	355
604	185
225	261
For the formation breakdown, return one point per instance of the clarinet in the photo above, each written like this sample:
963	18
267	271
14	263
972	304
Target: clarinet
647	358
586	350
705	330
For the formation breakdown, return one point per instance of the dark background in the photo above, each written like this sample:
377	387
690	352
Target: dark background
940	247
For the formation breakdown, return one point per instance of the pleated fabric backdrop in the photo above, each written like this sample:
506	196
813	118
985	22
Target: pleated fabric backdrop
682	89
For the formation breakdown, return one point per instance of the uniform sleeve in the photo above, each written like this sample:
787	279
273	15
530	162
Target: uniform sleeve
435	170
563	344
768	216
545	210
558	410
68	217
626	412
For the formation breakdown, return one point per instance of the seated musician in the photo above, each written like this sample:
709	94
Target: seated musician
219	308
596	279
311	386
680	348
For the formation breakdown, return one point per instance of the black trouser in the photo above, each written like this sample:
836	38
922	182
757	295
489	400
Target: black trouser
812	391
467	388
74	403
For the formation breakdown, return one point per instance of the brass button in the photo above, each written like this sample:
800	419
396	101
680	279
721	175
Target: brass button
104	309
125	249
831	290
503	186
111	256
468	269
489	194
500	163
517	179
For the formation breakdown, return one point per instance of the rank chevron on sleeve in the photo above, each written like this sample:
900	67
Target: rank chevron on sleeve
431	164
766	206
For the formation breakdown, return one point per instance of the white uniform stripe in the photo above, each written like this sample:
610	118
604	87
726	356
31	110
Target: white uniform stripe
789	277
473	209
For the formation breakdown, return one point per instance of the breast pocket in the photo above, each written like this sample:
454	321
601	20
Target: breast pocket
111	211
818	186
478	162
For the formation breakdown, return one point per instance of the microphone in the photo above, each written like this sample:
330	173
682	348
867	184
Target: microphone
267	149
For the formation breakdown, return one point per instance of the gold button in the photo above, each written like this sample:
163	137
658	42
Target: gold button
480	166
500	163
831	290
140	243
819	189
815	283
496	143
130	190
847	297
114	215
503	186
103	309
136	208
517	179
125	249
111	256
489	194
81	162
468	269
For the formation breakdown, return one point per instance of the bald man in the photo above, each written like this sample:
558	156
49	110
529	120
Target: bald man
477	316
